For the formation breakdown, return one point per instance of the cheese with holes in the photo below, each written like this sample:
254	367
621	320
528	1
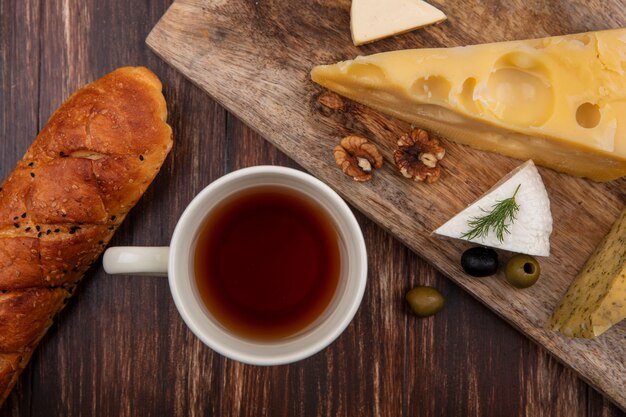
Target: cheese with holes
596	300
560	101
529	233
371	20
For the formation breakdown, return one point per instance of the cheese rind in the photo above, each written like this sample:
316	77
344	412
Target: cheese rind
530	232
560	101
371	20
596	300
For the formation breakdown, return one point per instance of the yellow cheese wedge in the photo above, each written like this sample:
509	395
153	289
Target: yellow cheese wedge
596	300
560	101
371	20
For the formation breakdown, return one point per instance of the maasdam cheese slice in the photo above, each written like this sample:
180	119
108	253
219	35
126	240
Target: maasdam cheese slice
371	20
560	101
529	232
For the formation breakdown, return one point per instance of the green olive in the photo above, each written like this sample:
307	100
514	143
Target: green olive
424	301
522	271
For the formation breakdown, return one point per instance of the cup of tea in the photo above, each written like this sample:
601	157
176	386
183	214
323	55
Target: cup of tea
267	265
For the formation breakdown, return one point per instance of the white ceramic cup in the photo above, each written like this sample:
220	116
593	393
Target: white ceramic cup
176	261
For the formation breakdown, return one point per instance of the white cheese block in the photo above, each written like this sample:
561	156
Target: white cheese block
530	232
371	20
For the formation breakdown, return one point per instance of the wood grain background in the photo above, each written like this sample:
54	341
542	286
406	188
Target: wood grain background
120	348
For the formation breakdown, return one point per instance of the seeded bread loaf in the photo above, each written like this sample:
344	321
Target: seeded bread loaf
60	206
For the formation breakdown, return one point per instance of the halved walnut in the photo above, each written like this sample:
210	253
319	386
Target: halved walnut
357	157
417	156
331	100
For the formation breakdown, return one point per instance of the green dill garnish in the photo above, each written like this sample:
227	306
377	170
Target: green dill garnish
502	214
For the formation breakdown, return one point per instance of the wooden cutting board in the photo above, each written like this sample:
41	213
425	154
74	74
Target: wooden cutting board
254	57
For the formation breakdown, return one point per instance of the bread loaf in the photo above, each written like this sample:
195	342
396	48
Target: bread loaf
60	206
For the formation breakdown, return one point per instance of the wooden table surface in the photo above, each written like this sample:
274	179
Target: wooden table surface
120	349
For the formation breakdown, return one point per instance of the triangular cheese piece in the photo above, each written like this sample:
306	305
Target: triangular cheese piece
371	20
530	232
560	101
596	300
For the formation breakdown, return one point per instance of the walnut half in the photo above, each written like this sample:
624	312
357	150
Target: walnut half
356	157
417	156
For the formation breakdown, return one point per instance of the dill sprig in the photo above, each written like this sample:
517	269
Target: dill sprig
502	214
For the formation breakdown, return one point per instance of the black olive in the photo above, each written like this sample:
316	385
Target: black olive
480	262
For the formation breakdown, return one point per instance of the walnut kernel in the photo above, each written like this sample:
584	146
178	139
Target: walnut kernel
357	157
417	156
330	100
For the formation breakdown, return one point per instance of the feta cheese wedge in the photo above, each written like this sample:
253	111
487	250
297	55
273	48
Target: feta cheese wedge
529	233
371	20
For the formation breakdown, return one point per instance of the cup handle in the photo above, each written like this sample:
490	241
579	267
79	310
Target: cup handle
137	260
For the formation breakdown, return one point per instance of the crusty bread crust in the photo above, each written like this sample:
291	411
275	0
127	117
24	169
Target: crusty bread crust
61	205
